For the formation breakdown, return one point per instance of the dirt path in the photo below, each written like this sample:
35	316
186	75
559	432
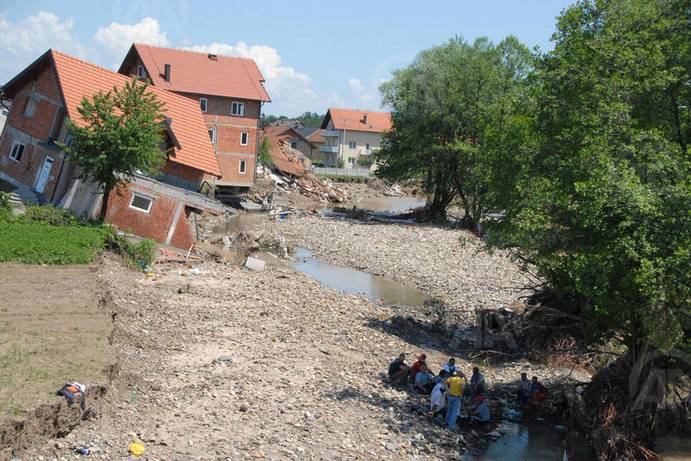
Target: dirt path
52	330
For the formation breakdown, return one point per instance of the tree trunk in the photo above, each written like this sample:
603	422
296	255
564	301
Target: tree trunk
104	203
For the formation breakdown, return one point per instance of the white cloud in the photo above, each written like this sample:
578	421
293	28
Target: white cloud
362	96
23	41
290	90
116	39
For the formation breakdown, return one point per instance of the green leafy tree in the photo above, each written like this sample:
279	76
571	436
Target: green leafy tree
602	207
447	108
265	152
120	134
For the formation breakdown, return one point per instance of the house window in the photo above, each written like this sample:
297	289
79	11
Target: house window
202	104
244	138
351	160
30	108
237	108
243	166
17	151
352	145
141	72
141	202
212	135
367	146
293	144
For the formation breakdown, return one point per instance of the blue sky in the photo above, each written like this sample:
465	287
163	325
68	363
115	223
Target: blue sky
314	54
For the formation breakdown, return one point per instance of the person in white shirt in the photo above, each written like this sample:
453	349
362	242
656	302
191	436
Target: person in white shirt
450	366
437	402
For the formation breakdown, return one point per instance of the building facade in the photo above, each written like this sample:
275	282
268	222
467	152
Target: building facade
230	94
351	136
50	91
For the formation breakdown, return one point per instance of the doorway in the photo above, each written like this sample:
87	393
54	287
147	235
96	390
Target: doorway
43	175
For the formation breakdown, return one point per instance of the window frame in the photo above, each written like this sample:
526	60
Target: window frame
31	106
142	73
206	105
352	145
144	196
351	160
292	141
242	167
13	154
247	138
212	133
241	109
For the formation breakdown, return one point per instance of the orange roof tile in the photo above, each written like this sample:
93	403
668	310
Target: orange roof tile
79	79
352	119
283	159
193	72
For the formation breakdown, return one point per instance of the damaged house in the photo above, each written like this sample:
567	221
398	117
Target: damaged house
230	93
163	208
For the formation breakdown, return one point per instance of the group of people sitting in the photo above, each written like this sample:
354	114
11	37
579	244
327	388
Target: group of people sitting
449	391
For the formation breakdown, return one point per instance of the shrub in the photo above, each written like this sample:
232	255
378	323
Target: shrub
49	215
135	254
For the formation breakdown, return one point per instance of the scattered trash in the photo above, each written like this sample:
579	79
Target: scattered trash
188	272
255	264
82	451
136	448
224	359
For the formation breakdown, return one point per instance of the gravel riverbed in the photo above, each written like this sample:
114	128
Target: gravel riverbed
223	363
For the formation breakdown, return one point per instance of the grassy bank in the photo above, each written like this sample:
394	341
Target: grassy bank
49	235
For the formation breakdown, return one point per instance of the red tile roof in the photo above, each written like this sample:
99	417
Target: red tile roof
79	79
354	120
193	72
317	136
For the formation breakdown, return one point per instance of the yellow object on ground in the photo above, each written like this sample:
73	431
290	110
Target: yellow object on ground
137	449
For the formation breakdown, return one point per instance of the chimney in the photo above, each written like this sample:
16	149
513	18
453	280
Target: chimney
213	57
364	118
166	72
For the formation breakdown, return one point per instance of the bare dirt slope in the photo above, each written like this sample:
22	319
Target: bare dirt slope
52	330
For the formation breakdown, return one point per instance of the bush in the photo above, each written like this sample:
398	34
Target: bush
343	177
136	254
49	215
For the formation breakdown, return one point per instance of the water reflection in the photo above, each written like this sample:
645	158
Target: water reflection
526	442
353	281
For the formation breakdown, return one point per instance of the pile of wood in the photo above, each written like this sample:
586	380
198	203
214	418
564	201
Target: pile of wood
311	186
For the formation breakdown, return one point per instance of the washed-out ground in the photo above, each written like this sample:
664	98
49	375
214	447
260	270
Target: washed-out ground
233	364
52	330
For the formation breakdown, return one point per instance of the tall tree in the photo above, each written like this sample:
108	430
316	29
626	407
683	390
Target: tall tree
447	108
603	205
119	134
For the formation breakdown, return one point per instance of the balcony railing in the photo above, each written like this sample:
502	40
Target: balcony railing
329	149
331	133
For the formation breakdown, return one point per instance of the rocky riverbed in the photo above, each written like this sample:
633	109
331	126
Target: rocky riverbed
451	264
218	362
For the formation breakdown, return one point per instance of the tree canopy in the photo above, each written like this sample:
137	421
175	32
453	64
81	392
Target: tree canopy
448	108
121	135
602	208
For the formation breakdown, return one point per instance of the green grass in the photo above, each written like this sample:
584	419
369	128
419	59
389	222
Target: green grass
41	243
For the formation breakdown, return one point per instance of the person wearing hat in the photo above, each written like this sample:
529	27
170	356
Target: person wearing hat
453	401
482	414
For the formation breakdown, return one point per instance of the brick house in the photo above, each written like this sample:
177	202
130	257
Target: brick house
49	91
228	90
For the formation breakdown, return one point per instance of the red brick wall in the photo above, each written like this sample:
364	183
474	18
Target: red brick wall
37	128
153	224
184	235
230	168
183	171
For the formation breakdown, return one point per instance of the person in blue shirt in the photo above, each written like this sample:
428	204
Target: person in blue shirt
450	366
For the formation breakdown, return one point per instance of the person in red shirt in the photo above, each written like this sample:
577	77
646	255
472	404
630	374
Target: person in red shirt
417	366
